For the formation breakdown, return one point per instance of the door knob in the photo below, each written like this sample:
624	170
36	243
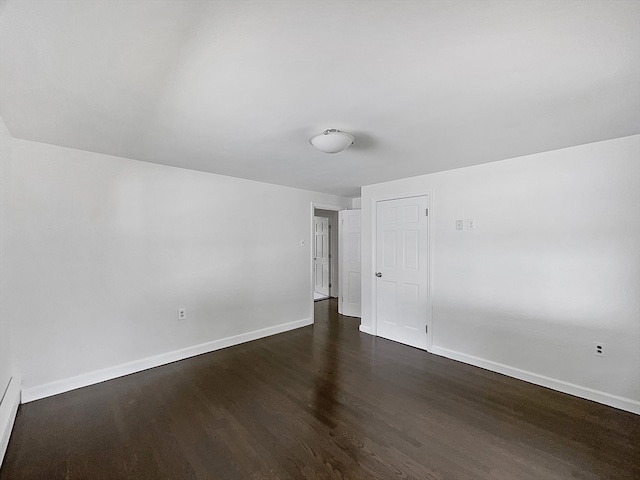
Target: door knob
378	274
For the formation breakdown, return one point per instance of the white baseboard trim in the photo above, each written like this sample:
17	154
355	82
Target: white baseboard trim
622	403
366	329
86	379
8	410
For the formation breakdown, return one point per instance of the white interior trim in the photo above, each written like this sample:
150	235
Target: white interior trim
67	384
365	329
8	411
622	403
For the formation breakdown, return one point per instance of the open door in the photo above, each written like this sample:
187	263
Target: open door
350	260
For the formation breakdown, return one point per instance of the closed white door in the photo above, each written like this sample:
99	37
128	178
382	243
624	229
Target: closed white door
402	270
321	255
350	260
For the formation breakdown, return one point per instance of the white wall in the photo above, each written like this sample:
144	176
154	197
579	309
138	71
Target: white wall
552	266
9	381
6	368
105	250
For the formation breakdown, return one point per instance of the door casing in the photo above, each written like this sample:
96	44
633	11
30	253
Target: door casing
322	256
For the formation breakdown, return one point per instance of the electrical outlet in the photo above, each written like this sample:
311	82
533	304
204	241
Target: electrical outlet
459	224
598	349
471	224
182	313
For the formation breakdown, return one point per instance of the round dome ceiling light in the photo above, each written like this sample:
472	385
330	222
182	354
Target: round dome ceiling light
332	141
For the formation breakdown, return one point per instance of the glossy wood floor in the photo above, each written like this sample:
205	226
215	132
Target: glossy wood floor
321	402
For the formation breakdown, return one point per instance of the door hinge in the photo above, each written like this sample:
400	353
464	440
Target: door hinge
329	285
426	329
426	212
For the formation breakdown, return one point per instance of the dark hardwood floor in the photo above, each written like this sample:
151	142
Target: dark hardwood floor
320	402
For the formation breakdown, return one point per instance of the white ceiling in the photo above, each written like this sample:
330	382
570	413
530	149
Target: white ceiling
238	87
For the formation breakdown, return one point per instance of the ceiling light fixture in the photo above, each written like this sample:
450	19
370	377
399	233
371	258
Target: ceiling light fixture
332	141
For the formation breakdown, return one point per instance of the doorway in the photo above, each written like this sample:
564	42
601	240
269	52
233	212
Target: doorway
321	258
325	254
329	211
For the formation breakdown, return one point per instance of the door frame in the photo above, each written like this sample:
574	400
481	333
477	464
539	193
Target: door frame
374	245
315	250
321	206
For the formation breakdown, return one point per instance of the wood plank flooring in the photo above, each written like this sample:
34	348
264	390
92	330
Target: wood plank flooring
320	402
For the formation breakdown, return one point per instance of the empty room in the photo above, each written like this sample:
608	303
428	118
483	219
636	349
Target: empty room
304	239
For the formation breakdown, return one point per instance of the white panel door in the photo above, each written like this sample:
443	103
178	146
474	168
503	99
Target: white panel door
402	270
350	260
321	255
